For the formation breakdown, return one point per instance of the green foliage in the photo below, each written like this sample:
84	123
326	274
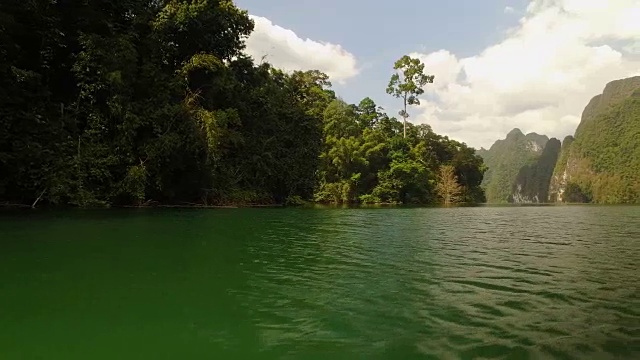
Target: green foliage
505	159
135	182
575	194
602	165
407	83
190	27
295	200
130	101
369	199
366	159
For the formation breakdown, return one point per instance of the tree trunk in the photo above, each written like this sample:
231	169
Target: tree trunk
404	117
404	126
33	206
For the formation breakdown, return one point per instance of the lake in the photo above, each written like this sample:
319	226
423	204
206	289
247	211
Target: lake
552	282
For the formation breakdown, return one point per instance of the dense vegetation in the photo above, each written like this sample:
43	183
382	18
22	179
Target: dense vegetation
505	159
532	183
123	102
602	164
366	158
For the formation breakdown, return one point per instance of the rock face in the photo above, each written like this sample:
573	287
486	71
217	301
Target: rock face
559	177
601	163
532	183
505	159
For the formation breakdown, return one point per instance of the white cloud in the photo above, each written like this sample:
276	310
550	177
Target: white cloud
539	77
286	50
509	10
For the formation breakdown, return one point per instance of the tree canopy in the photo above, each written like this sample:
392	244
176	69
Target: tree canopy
407	84
124	102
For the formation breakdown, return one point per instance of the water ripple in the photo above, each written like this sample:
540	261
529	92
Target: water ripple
461	283
453	283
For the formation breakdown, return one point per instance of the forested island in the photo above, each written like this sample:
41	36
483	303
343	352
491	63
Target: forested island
138	102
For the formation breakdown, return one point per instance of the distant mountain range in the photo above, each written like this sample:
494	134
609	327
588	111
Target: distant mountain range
600	163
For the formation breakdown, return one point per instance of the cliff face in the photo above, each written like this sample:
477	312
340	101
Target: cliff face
558	179
614	93
602	163
505	159
532	183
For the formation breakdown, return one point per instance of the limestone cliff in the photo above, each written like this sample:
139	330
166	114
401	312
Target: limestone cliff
602	163
532	183
505	159
558	179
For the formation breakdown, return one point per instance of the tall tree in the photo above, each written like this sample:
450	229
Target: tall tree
407	83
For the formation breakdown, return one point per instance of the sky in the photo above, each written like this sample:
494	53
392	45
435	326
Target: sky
498	64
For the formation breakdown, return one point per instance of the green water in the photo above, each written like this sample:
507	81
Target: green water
466	283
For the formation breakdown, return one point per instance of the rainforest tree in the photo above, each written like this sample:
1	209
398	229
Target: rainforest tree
407	84
133	102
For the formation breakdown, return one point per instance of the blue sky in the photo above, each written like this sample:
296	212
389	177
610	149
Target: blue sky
508	85
464	26
379	34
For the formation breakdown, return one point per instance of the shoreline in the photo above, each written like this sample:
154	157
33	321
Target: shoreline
14	206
